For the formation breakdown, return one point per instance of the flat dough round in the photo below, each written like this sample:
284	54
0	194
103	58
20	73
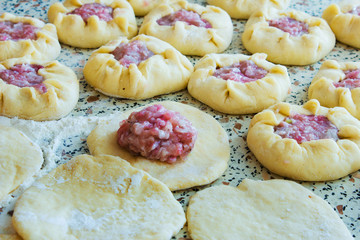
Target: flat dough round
72	30
273	209
189	39
165	72
242	9
323	89
20	159
283	48
28	103
236	97
346	26
99	197
317	160
45	47
204	164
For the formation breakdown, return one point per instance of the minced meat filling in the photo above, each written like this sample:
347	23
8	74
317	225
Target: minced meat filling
189	17
351	80
87	10
290	25
17	31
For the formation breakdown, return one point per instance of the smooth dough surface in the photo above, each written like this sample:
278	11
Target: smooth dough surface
99	197
164	72
262	210
322	87
235	97
189	39
204	164
317	160
143	7
20	159
72	30
45	47
283	48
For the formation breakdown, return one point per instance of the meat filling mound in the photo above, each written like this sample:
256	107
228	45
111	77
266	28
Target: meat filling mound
355	10
351	80
189	17
293	27
17	31
90	9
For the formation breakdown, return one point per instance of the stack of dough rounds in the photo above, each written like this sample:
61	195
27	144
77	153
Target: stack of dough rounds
204	164
99	197
45	47
274	209
164	72
72	30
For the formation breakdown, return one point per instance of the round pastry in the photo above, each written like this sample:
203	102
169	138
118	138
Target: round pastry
189	163
99	197
190	28
20	159
137	69
238	84
310	142
92	23
26	36
36	90
274	209
338	84
290	38
242	9
344	20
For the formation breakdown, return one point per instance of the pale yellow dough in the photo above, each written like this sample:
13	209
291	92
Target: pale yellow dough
189	39
28	103
317	160
143	7
99	197
72	30
346	26
204	164
283	48
232	97
323	89
20	159
45	47
242	9
165	72
262	210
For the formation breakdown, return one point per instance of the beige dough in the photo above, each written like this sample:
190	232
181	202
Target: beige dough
317	160
143	7
28	103
232	97
189	39
328	95
204	164
72	30
283	48
262	210
20	159
165	72
99	197
45	47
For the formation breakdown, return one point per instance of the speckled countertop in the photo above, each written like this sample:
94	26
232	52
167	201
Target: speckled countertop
60	140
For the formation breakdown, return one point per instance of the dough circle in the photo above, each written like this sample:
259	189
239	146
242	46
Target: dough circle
99	197
45	47
283	48
273	209
323	89
20	159
165	72
317	160
72	30
204	164
189	39
233	97
28	103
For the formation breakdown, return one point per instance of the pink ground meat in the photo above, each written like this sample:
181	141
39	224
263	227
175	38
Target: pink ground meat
157	133
132	52
304	128
355	10
17	31
24	75
290	25
89	9
351	80
244	71
189	17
